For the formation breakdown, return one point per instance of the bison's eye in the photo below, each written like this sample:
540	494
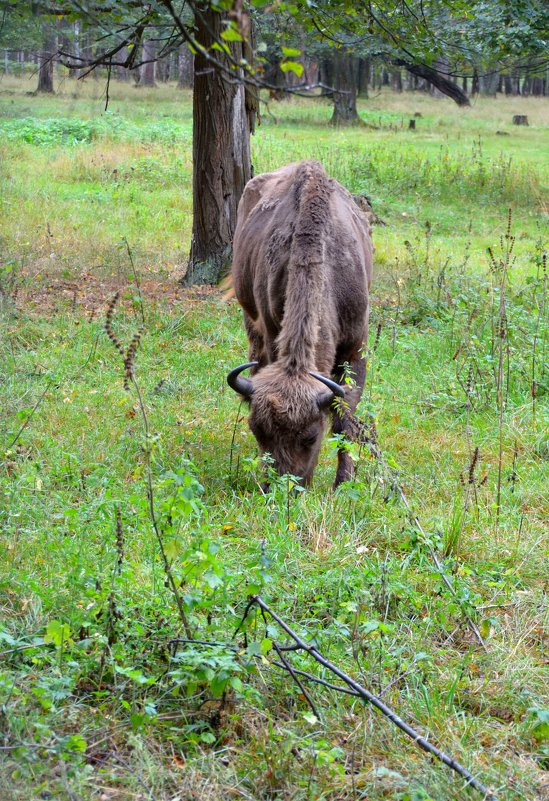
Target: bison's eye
308	440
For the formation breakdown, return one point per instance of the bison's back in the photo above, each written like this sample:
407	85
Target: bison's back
265	239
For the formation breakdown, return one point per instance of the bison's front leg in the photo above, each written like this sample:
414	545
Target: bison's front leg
256	345
343	414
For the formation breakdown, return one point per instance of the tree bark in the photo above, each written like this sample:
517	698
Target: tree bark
344	95
45	73
223	117
447	87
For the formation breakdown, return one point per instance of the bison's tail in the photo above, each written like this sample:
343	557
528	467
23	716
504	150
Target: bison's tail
306	280
227	287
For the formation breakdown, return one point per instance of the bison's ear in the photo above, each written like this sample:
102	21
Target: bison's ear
325	400
240	384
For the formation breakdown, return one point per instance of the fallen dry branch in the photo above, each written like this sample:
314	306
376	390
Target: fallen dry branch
357	689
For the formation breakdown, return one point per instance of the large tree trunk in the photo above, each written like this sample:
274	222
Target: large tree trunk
45	73
344	95
223	116
437	80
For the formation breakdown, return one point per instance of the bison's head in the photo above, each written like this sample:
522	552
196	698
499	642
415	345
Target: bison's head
287	414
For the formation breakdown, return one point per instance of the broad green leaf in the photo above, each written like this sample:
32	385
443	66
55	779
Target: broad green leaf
57	633
231	35
292	66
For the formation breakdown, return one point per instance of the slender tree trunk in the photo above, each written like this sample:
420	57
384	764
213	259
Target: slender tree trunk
396	80
475	88
45	73
489	84
223	116
311	70
123	73
147	76
363	77
516	83
344	96
537	87
184	68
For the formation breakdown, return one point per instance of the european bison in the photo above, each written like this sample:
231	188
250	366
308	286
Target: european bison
301	271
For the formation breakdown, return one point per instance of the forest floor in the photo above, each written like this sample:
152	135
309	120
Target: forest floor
107	690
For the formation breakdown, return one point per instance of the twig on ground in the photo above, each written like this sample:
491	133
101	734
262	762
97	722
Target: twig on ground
297	680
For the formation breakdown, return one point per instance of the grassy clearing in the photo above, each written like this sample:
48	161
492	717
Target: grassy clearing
86	178
102	705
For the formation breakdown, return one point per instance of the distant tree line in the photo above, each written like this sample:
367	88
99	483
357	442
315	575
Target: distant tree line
340	48
369	73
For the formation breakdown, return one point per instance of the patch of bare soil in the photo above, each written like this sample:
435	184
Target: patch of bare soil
89	294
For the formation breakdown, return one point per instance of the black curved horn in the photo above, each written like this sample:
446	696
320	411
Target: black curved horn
240	384
338	390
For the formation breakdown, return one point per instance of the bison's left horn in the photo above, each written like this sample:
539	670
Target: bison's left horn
337	390
240	384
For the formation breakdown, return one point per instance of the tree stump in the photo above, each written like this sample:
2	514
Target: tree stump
412	125
520	119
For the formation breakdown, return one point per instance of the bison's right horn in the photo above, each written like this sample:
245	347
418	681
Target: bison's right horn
337	389
240	384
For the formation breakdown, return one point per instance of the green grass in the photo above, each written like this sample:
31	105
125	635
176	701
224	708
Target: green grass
103	705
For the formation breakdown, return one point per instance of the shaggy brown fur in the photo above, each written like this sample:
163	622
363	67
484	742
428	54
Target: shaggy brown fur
301	271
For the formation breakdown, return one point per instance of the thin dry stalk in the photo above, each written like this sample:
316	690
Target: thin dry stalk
500	269
540	317
129	377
